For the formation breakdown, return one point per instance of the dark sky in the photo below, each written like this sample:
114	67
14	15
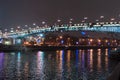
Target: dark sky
21	12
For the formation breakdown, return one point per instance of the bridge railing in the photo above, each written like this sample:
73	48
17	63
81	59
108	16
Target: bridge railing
85	26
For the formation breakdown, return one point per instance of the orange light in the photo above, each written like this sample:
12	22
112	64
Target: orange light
26	43
61	37
91	40
99	40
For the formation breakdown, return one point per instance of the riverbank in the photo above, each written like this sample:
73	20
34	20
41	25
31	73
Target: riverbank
65	47
48	48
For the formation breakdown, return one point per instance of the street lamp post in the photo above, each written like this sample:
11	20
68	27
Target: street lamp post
58	22
70	21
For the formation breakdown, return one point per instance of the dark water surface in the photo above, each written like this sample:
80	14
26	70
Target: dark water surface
56	65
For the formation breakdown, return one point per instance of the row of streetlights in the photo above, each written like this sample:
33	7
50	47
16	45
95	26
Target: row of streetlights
85	19
69	41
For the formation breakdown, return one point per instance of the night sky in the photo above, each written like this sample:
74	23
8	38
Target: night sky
21	12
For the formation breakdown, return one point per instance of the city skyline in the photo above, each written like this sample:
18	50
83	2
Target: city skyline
26	12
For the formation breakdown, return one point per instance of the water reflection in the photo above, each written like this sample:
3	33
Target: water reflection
99	60
90	59
106	59
77	57
18	64
83	59
61	63
40	61
56	65
26	70
1	64
68	60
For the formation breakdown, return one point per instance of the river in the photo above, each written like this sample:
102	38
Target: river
92	64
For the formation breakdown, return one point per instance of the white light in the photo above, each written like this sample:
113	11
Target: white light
58	20
26	25
41	35
34	24
101	16
71	19
97	20
18	27
112	19
43	22
83	20
11	31
85	17
6	29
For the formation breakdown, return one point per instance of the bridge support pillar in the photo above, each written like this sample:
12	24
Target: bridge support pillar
17	41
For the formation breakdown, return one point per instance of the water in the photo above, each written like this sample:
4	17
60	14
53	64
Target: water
56	65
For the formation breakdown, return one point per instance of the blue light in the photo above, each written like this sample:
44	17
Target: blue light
41	35
1	40
108	43
38	40
63	57
40	55
19	56
83	33
62	41
18	41
76	42
77	57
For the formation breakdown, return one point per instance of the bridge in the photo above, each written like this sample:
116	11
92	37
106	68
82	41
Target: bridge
103	33
99	27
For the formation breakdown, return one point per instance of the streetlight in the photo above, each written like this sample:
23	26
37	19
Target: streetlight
26	25
58	22
85	18
112	19
6	30
11	30
83	21
96	20
17	27
34	24
70	21
43	22
101	17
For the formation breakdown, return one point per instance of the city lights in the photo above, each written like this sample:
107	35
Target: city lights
59	39
37	36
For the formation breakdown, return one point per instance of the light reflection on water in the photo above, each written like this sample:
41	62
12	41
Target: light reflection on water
91	60
56	65
99	60
106	59
68	60
18	64
1	63
40	63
